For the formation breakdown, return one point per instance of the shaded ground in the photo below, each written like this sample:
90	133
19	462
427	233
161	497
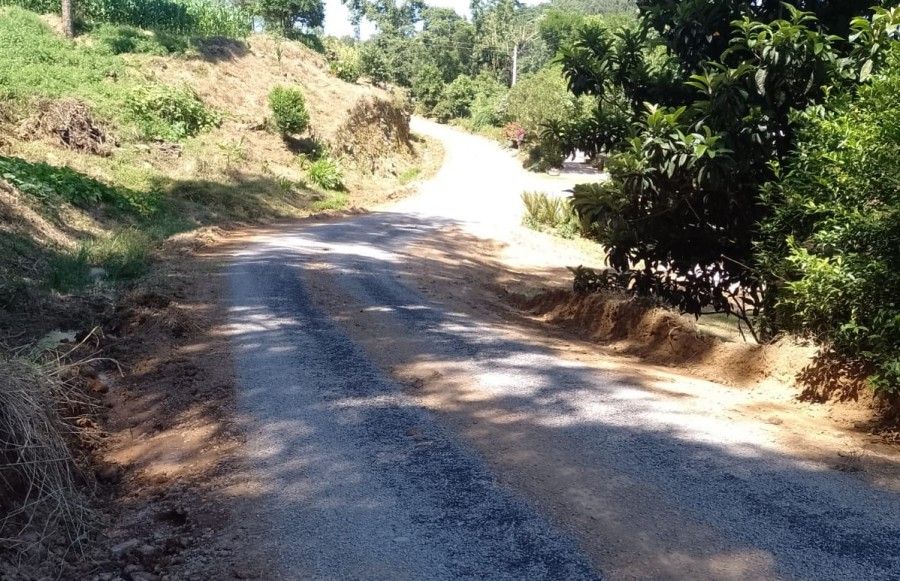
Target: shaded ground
398	413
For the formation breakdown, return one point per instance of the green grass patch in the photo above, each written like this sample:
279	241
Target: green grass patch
123	255
36	62
332	201
409	175
50	184
124	39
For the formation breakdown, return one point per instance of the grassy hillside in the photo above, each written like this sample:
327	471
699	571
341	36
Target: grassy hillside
113	142
110	146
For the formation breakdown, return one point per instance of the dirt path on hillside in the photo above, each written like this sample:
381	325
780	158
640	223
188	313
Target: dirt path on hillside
402	421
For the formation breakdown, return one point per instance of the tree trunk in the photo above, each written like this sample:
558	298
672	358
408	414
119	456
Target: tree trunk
68	18
515	64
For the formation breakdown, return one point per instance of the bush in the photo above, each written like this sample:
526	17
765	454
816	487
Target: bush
326	173
288	110
550	214
427	87
540	99
169	113
831	248
343	59
489	106
456	99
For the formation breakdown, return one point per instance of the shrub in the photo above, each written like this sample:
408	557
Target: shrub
169	113
343	59
489	106
551	214
288	110
515	134
456	99
427	87
540	99
831	248
326	173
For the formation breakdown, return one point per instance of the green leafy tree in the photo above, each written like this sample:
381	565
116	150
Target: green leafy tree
830	248
288	15
392	17
427	87
684	198
456	99
699	30
448	40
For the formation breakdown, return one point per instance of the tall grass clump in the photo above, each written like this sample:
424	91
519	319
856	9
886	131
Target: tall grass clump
40	482
122	255
326	173
550	214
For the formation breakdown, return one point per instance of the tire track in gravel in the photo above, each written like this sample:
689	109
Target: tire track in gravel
510	451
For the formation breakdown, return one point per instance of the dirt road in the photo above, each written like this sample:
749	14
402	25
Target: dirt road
403	425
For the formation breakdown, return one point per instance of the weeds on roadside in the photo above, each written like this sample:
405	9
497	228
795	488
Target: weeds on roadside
550	214
121	256
326	173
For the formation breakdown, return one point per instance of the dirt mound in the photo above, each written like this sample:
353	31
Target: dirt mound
640	327
375	130
70	123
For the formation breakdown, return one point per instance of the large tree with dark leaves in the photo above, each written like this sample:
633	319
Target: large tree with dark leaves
683	206
699	30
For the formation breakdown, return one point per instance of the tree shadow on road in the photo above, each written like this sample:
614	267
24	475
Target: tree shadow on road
642	482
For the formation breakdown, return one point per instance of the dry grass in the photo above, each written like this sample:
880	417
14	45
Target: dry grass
41	487
375	131
68	122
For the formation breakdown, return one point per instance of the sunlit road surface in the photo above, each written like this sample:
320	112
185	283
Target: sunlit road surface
508	461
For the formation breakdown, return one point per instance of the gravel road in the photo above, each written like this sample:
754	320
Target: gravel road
511	462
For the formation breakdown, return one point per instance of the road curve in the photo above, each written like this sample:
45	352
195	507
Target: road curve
542	468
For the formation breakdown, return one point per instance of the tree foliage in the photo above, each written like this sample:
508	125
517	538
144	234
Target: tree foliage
830	248
683	211
287	16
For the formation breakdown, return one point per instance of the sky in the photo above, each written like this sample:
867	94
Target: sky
337	18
